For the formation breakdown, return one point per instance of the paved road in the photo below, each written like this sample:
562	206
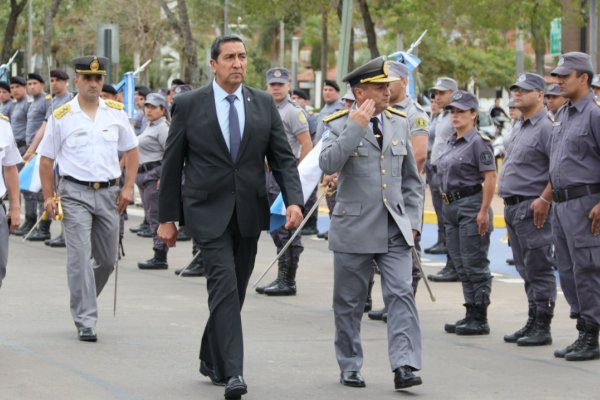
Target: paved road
149	350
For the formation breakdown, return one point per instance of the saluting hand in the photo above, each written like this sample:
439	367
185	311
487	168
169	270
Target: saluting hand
363	114
483	222
540	210
293	217
167	232
594	216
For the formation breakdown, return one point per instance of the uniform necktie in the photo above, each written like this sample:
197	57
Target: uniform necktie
377	132
235	137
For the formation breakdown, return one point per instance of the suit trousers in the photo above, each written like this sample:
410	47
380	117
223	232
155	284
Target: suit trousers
351	277
532	253
91	229
229	261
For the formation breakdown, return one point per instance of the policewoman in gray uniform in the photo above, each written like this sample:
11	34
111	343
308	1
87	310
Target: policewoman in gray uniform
152	143
377	213
574	166
524	186
295	125
84	137
466	162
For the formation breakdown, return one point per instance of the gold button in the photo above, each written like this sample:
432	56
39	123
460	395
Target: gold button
382	157
96	185
385	185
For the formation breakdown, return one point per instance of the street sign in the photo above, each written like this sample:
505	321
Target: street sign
555	37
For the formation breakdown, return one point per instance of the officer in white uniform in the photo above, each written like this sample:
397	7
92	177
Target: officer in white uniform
83	137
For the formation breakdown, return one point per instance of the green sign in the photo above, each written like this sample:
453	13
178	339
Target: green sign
555	37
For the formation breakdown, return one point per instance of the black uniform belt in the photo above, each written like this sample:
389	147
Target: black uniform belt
560	195
20	143
93	185
148	166
512	200
459	194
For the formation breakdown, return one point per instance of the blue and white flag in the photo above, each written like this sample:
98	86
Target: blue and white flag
29	176
310	175
127	86
412	62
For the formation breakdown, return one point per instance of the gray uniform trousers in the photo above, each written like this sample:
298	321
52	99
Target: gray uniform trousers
146	182
468	249
578	257
3	243
351	277
281	236
91	224
532	253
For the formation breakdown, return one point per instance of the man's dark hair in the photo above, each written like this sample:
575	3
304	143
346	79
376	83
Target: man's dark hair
215	48
177	82
142	90
589	75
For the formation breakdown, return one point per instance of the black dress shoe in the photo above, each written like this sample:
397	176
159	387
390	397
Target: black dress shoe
39	235
438	248
138	228
145	233
58	241
87	334
195	268
206	370
377	315
235	387
352	379
309	230
324	235
445	275
153	263
405	378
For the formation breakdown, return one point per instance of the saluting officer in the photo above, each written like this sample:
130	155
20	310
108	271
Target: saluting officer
467	172
524	186
574	165
297	133
9	219
83	137
378	212
6	104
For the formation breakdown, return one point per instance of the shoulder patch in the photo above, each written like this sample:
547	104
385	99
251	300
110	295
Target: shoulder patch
336	115
48	97
397	112
114	104
421	122
302	117
62	111
484	137
2	116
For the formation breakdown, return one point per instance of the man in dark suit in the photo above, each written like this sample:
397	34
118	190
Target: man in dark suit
224	197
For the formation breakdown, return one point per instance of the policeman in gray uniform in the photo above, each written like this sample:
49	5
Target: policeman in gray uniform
83	137
524	186
553	100
467	171
331	97
444	88
297	132
6	104
378	212
9	182
574	165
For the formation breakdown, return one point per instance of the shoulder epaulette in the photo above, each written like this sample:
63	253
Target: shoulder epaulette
336	115
2	116
114	104
62	111
396	111
48	97
485	137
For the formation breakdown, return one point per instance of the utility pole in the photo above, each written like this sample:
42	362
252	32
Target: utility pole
593	33
226	18
344	51
281	42
520	53
295	51
29	63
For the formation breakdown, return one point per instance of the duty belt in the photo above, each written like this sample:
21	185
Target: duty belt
459	194
561	195
512	200
93	185
148	166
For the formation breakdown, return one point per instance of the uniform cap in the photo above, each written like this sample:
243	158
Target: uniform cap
529	81
90	65
157	100
596	81
177	90
278	75
5	85
59	74
398	70
573	61
445	84
333	84
109	89
17	80
374	71
552	90
301	93
35	77
349	95
463	100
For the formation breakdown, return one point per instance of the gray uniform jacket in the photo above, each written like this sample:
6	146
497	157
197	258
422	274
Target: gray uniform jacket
372	183
18	118
36	115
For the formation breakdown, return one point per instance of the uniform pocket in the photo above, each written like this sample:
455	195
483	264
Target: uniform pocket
77	139
360	161
347	209
578	143
398	153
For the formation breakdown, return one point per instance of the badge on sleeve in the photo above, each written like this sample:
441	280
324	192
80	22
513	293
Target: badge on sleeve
486	158
421	123
302	118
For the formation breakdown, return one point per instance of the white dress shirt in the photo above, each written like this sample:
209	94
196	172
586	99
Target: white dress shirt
222	105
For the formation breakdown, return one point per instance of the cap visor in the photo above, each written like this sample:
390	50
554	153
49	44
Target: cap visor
523	85
277	80
561	71
441	89
460	106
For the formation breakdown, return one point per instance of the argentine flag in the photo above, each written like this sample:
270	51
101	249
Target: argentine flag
310	175
29	176
127	86
412	62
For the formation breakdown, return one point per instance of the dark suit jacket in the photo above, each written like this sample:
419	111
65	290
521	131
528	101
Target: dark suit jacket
214	185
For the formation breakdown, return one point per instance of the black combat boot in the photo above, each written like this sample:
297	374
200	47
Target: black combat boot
24	229
287	285
588	346
281	264
143	226
377	315
451	328
369	302
159	261
447	274
561	353
524	331
477	324
439	247
539	335
194	268
41	233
